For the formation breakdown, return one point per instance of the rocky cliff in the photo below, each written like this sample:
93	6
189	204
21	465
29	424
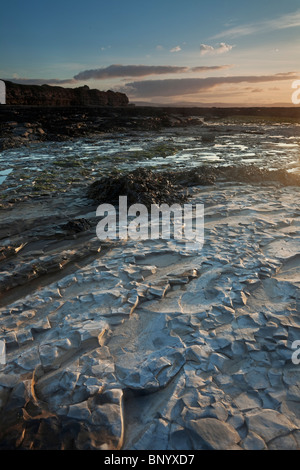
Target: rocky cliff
45	95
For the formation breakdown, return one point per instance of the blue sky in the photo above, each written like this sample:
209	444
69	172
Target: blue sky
191	51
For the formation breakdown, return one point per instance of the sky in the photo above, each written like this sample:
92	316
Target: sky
197	52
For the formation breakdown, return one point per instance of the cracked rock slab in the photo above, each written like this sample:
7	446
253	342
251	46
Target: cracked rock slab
269	424
212	434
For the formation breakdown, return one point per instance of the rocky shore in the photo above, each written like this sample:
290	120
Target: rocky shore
23	125
144	344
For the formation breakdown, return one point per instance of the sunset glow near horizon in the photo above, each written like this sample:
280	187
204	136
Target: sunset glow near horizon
165	52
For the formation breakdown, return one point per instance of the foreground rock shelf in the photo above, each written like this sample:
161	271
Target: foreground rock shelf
148	346
23	125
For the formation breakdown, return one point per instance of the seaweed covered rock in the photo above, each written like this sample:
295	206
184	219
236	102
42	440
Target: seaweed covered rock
140	186
207	175
255	174
200	176
157	187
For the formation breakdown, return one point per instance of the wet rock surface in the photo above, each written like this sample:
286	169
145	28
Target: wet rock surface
22	125
146	187
150	346
147	344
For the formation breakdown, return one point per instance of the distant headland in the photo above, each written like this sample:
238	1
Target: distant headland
46	95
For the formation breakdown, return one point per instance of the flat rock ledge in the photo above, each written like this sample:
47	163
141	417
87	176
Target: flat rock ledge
151	345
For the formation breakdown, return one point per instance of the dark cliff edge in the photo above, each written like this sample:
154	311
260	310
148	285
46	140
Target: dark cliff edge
46	95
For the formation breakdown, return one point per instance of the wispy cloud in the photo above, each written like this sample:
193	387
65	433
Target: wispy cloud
42	81
221	48
104	48
175	49
203	68
178	87
290	20
119	71
123	71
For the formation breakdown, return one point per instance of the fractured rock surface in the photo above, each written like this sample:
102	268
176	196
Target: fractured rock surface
147	345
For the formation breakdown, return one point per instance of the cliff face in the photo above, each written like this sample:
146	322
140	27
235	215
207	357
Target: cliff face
45	95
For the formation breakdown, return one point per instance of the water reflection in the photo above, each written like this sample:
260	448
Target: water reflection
260	145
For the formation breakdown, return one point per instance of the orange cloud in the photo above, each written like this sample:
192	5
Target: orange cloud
178	87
